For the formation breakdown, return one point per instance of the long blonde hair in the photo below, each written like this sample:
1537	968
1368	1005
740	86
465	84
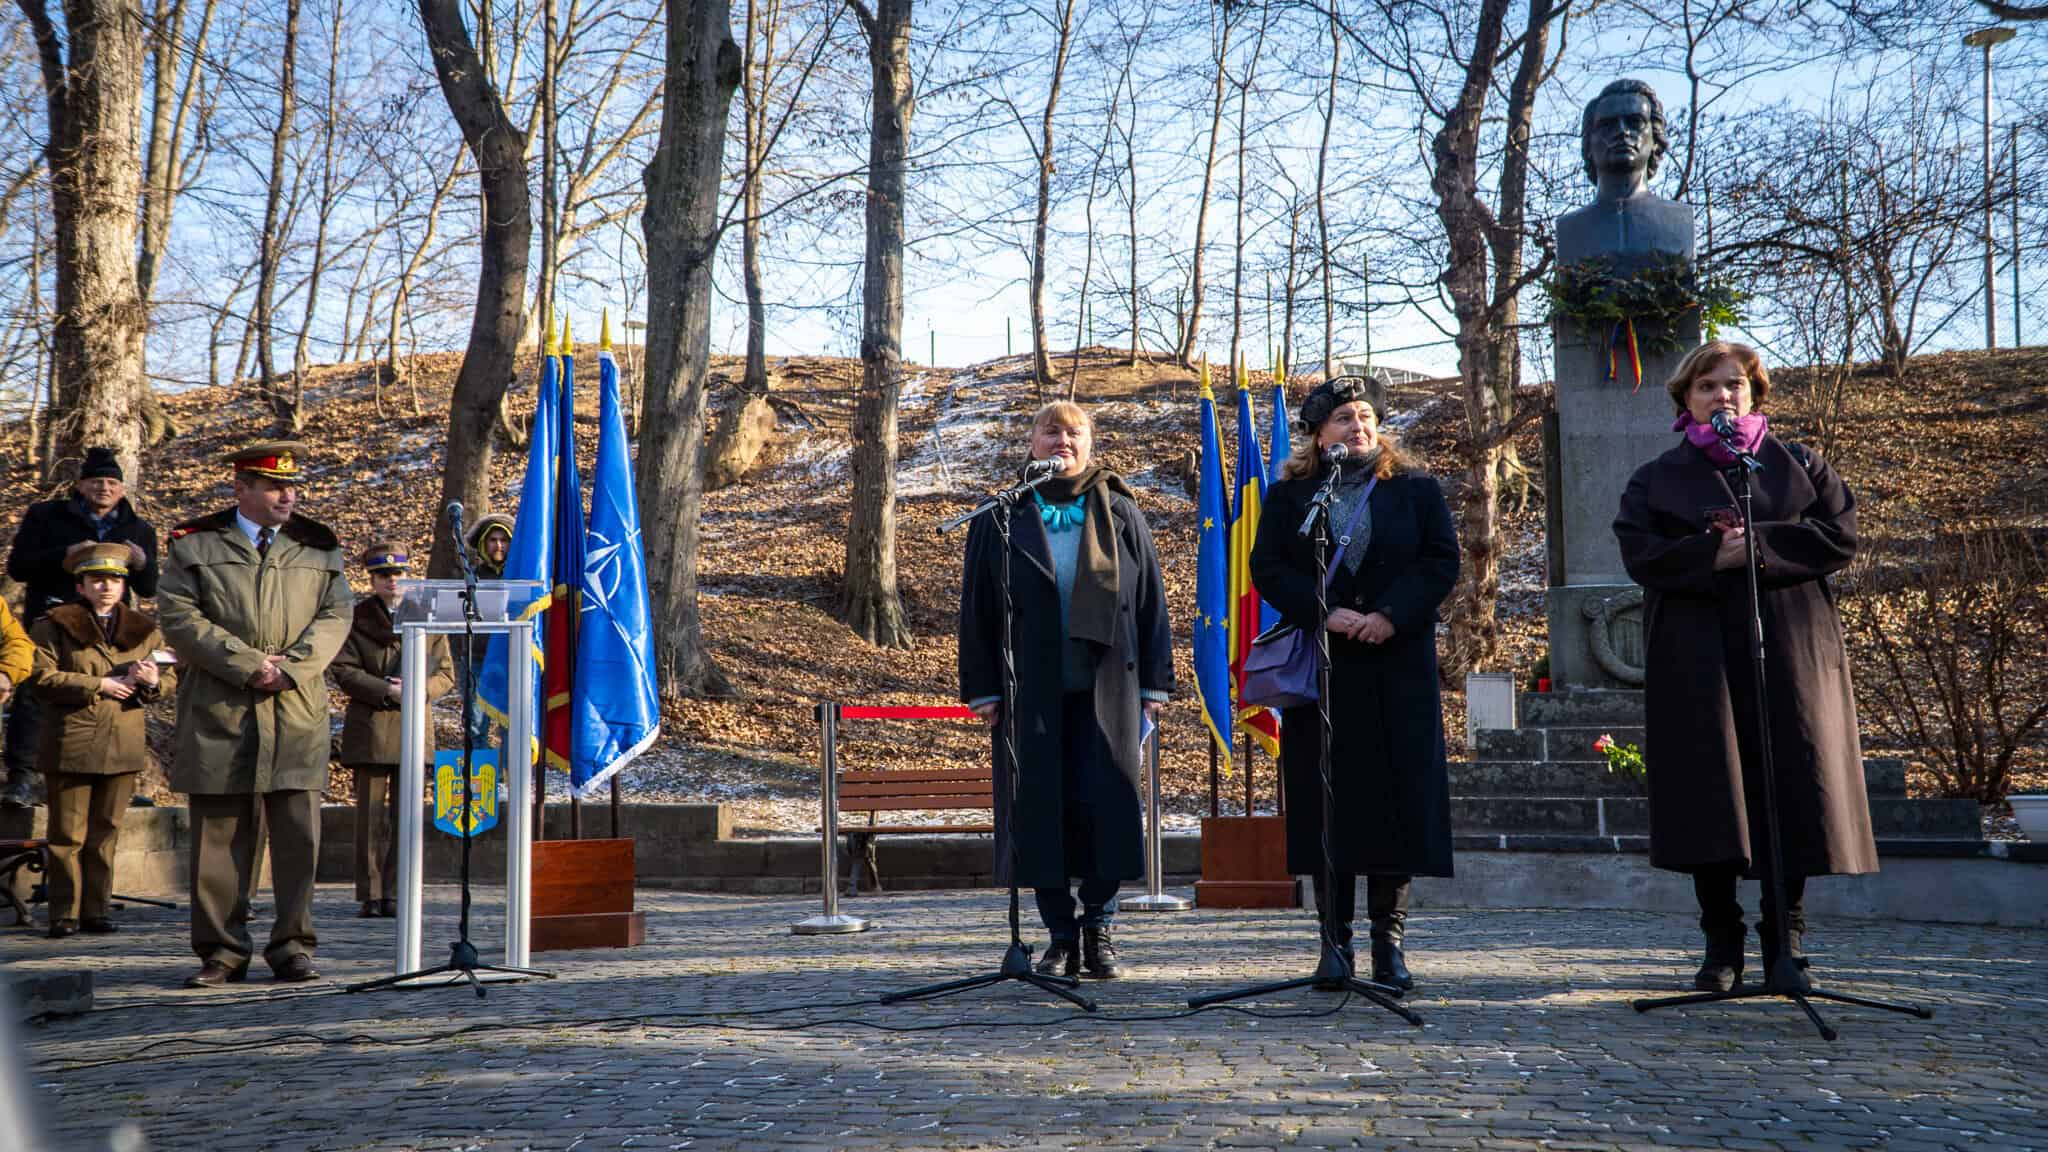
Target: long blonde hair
1304	460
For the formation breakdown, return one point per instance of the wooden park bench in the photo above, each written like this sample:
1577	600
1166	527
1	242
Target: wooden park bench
897	790
16	855
908	790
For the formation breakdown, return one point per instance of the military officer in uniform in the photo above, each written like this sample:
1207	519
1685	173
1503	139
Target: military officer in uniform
97	664
367	671
256	603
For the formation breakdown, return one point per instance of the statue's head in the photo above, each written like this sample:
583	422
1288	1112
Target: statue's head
1623	128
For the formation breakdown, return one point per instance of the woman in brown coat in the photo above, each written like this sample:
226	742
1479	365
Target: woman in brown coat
97	664
1681	539
367	671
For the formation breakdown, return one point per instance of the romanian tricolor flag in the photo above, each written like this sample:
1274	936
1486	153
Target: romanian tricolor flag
1279	446
1246	613
1213	679
558	671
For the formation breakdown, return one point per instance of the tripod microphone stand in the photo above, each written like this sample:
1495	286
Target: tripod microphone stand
1785	978
1333	973
463	962
1016	963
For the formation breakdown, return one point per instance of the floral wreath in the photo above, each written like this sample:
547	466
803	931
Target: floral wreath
1590	295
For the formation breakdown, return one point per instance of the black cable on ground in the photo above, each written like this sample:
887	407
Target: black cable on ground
199	1046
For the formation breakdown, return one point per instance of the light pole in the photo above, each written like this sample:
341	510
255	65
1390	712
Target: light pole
1987	38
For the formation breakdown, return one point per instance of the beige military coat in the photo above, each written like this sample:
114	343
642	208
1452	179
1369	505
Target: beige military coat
83	731
224	608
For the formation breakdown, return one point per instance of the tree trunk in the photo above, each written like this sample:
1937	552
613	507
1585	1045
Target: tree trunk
1475	633
1507	239
1191	332
301	349
745	427
1322	208
282	409
488	362
1041	359
872	607
550	219
681	230
94	114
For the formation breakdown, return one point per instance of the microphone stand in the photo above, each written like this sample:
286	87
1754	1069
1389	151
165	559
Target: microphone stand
1786	978
1333	973
1016	963
463	962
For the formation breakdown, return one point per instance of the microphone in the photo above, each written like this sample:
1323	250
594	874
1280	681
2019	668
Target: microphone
1051	466
1723	423
1336	454
455	517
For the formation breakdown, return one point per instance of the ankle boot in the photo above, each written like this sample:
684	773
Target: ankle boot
1098	953
1062	958
1721	971
1387	905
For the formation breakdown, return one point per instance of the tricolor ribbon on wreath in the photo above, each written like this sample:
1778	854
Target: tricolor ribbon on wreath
1624	333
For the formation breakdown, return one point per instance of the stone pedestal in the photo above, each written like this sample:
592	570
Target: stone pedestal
1606	429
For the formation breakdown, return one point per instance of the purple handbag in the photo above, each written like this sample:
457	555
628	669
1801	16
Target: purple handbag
1282	670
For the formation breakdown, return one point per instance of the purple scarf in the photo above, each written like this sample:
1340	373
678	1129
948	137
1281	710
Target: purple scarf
1749	432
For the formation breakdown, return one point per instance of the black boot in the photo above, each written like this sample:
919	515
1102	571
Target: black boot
1721	971
1098	952
1386	900
1795	924
1062	958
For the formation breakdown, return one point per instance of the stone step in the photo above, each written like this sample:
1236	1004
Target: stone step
1556	743
1586	706
1890	816
1882	776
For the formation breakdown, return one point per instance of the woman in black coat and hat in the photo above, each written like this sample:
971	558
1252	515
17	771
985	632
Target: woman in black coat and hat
1093	653
1394	558
1682	540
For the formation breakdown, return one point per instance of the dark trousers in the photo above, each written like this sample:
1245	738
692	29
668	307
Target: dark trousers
1386	904
1056	907
226	832
376	832
1721	912
24	735
85	833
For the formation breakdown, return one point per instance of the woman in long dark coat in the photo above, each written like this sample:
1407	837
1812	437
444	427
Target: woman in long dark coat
1681	543
1391	818
1093	653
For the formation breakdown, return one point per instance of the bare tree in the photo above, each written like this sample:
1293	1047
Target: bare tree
324	203
487	364
872	608
1042	147
1322	202
1191	332
1244	95
681	226
92	85
283	404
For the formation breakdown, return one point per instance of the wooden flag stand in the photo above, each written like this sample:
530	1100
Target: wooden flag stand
1244	858
583	896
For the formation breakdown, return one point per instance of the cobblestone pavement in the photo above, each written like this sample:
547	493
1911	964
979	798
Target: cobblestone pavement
1529	1042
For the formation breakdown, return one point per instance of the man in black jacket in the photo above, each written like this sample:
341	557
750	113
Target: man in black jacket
96	512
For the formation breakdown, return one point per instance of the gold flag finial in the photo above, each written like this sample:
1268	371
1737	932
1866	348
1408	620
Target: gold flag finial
604	331
1207	392
547	325
568	339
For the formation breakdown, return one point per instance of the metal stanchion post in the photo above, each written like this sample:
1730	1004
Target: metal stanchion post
1155	899
831	921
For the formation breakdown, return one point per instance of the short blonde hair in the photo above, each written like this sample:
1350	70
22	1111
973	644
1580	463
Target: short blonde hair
1707	355
1062	412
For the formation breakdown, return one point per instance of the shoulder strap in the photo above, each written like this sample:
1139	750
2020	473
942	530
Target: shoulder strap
1344	540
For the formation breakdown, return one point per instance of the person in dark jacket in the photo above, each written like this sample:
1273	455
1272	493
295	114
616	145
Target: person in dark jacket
52	532
1681	539
1093	655
367	671
98	662
1394	558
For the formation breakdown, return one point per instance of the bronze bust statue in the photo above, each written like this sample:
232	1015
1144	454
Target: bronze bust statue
1622	140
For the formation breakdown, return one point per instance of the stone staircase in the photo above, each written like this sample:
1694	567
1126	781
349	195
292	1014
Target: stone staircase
1542	785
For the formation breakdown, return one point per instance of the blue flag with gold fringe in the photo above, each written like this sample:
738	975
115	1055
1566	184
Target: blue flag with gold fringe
1212	583
616	704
